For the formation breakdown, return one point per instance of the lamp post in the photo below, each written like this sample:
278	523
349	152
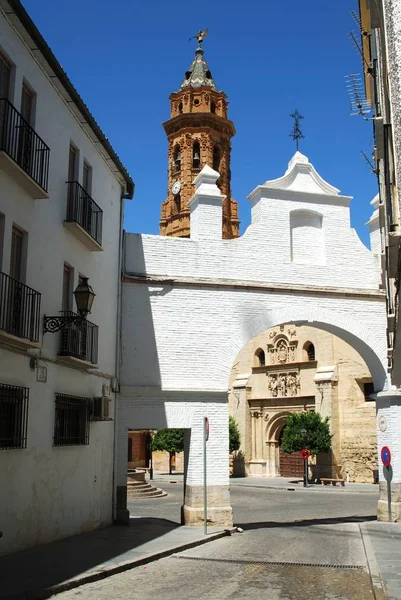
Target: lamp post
303	433
84	296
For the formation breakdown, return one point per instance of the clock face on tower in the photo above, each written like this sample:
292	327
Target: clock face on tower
176	187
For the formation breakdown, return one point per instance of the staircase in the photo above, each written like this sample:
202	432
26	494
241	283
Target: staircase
138	487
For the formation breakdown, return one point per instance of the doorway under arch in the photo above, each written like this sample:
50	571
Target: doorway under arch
290	465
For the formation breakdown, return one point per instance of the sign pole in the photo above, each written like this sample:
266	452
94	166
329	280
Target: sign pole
305	453
390	517
385	455
205	432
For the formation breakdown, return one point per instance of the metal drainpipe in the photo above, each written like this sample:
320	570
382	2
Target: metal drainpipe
124	196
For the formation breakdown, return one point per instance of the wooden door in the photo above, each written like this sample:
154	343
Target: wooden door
291	465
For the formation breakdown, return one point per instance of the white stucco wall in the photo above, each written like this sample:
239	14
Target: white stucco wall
190	305
49	492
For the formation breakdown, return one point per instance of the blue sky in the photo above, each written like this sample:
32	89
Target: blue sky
126	57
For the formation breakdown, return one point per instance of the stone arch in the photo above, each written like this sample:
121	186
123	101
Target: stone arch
275	425
308	350
345	325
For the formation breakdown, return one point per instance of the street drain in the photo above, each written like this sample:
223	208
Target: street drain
244	561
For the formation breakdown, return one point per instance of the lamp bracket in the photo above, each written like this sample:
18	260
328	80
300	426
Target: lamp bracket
54	324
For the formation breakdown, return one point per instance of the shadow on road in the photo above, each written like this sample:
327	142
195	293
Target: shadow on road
42	567
306	522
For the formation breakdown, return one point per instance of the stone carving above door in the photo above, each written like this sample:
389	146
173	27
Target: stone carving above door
284	384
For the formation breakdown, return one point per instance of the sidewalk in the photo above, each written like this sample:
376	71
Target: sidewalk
45	570
294	483
272	483
383	550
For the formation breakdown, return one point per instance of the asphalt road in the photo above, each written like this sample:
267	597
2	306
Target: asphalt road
300	545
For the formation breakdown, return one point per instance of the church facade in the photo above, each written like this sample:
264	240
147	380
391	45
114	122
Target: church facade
294	368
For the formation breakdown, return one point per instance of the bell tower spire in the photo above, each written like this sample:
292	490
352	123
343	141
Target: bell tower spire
199	133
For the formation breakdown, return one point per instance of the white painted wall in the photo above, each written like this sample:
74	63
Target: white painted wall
204	299
47	492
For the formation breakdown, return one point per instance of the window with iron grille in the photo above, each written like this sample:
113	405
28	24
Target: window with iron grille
71	423
13	416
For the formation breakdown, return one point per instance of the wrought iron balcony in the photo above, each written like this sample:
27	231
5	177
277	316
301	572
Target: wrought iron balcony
20	142
83	211
79	339
19	309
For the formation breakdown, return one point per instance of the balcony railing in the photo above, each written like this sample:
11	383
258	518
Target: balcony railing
23	145
79	339
19	309
82	209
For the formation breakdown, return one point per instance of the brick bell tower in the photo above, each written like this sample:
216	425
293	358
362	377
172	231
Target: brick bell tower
199	133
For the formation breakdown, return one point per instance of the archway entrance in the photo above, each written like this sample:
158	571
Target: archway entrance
294	368
290	465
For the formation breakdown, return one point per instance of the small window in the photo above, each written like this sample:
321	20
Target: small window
13	416
260	358
369	390
68	276
27	101
72	163
208	74
177	204
5	77
177	158
71	423
309	351
16	258
213	107
180	107
196	101
87	177
196	156
216	158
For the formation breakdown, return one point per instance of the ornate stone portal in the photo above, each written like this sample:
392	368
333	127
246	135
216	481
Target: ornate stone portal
282	377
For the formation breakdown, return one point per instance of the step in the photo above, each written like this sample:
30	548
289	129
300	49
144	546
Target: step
157	493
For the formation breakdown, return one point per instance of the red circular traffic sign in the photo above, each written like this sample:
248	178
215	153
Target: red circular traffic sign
305	453
385	455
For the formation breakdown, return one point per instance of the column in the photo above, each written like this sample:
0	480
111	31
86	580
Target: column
219	511
388	411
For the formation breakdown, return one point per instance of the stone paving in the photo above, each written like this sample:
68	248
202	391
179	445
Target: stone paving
279	522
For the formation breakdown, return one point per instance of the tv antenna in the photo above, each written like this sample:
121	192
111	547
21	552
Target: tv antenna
356	93
296	133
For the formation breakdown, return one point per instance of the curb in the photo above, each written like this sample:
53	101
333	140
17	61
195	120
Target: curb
378	588
302	489
41	594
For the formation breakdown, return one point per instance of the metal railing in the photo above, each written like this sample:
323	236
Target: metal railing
82	209
14	416
20	141
79	339
71	425
19	308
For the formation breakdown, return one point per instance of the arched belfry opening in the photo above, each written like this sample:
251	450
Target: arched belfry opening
199	126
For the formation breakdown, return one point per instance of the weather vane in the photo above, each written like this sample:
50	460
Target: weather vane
296	133
200	36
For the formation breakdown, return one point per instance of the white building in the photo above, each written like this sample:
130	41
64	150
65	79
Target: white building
56	442
190	305
381	44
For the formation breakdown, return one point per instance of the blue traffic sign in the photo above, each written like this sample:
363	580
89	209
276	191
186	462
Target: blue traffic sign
385	456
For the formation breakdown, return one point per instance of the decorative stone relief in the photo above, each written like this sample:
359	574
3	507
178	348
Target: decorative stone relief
292	332
284	384
281	350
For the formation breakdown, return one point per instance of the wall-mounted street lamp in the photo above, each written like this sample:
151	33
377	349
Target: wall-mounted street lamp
84	296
